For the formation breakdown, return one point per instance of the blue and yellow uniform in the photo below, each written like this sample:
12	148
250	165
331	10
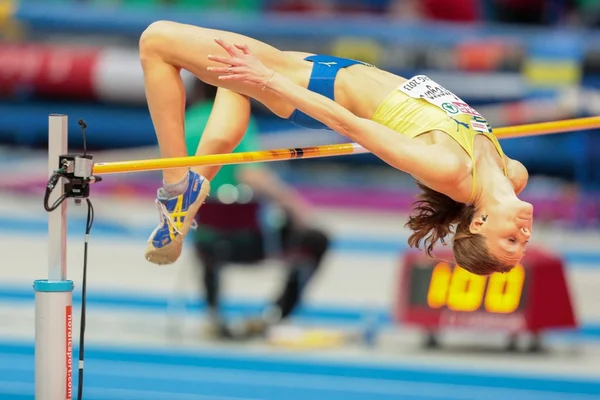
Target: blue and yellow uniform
413	115
322	81
418	106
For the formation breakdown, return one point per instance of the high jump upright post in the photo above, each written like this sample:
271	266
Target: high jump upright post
54	296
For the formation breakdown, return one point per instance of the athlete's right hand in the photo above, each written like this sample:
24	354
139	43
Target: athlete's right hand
242	66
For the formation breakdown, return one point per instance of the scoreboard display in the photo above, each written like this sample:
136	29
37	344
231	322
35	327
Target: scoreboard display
532	297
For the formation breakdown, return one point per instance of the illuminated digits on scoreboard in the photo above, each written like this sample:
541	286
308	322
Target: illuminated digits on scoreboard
461	290
438	287
504	291
465	291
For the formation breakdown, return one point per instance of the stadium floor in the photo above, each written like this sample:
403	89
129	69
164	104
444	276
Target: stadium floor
130	357
151	374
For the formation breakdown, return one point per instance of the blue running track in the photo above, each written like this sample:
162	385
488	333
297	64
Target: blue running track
151	374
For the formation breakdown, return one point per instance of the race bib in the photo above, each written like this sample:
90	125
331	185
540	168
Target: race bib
422	87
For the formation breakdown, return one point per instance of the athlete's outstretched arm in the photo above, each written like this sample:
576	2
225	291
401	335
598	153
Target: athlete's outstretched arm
426	161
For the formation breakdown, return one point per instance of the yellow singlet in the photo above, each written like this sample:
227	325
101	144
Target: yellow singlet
421	105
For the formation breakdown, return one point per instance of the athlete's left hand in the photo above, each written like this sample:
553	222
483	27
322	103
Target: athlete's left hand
242	65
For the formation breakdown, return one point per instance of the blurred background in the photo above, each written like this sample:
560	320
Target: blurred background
152	333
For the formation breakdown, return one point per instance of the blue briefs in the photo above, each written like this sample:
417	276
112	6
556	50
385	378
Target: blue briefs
322	80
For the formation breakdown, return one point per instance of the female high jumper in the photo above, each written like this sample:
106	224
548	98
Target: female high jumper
469	186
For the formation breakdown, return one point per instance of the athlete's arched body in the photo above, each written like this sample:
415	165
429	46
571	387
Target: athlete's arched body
414	125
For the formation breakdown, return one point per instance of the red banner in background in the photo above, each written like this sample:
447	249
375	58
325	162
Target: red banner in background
49	71
110	74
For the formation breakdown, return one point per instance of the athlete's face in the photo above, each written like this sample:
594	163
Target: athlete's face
507	230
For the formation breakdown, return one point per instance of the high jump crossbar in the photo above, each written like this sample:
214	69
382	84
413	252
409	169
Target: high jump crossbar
544	128
54	296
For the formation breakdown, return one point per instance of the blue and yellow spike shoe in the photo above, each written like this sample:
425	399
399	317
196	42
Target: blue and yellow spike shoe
176	218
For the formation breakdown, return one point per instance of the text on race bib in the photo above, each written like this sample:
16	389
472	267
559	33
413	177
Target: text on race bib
422	87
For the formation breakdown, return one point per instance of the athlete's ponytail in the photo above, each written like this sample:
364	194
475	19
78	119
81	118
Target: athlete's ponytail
436	217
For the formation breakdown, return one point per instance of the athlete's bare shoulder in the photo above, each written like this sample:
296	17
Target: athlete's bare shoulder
517	174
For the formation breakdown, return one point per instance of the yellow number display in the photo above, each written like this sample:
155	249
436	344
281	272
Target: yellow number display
461	290
438	286
466	290
504	291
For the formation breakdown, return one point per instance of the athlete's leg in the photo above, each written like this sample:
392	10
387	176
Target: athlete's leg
165	49
225	128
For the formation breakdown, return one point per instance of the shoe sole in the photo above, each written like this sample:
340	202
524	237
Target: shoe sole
169	253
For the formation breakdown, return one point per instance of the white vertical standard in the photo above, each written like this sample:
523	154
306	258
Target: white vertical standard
54	296
58	140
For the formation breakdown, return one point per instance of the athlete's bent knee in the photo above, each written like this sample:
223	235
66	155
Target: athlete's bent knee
155	37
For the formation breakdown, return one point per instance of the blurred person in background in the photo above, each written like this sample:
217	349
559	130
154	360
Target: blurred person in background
530	12
586	12
319	7
457	11
230	229
519	11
